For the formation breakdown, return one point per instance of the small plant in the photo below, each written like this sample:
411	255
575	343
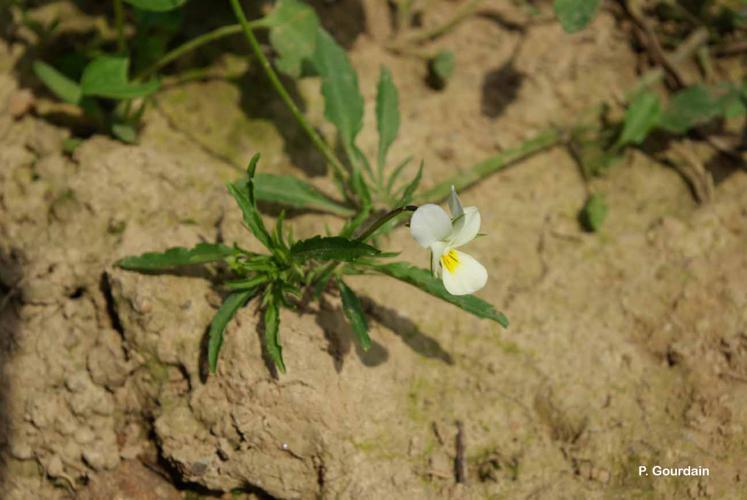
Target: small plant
294	271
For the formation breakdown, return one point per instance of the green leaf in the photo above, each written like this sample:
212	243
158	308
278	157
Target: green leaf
177	256
411	187
293	192
62	86
125	132
293	34
243	192
440	69
732	100
272	325
642	116
351	306
574	15
594	212
689	107
156	5
233	303
387	114
332	248
343	102
106	76
423	279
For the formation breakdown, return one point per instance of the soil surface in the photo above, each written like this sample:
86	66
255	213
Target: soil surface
626	347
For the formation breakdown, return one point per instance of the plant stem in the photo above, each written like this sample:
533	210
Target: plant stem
479	171
316	139
460	15
119	22
383	220
191	45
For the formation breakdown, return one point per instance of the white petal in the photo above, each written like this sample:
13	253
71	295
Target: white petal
437	250
466	227
455	206
465	276
429	224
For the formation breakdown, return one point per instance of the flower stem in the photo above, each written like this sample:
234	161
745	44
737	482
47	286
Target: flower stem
383	220
316	139
191	45
119	22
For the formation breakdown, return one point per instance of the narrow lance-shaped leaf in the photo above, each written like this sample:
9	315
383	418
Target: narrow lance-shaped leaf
156	5
62	86
332	248
423	279
293	31
640	118
594	212
343	102
177	256
272	326
353	311
233	303
387	114
243	192
574	15
293	192
410	188
106	76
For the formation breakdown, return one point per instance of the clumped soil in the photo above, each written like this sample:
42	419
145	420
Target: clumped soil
626	347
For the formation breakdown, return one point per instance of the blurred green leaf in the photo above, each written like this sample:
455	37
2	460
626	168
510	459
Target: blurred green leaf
177	256
689	107
594	212
732	100
125	132
293	34
440	69
243	192
423	279
156	5
233	303
332	248
106	76
343	102
293	192
62	86
387	114
353	311
574	15
272	326
409	190
640	118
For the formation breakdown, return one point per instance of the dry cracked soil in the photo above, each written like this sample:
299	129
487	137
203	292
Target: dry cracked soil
626	347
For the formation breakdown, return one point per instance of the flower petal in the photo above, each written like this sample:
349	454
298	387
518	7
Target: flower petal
455	206
437	250
462	274
466	227
429	224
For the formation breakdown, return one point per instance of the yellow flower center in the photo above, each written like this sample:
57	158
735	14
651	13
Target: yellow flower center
450	260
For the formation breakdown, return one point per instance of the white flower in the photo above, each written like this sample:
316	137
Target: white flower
432	228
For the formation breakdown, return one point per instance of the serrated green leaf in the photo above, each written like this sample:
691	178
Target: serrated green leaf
243	192
293	192
62	86
594	212
574	15
411	187
396	173
293	34
423	279
177	256
640	118
353	311
156	5
689	107
343	102
332	248
106	76
387	114
233	303
272	326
